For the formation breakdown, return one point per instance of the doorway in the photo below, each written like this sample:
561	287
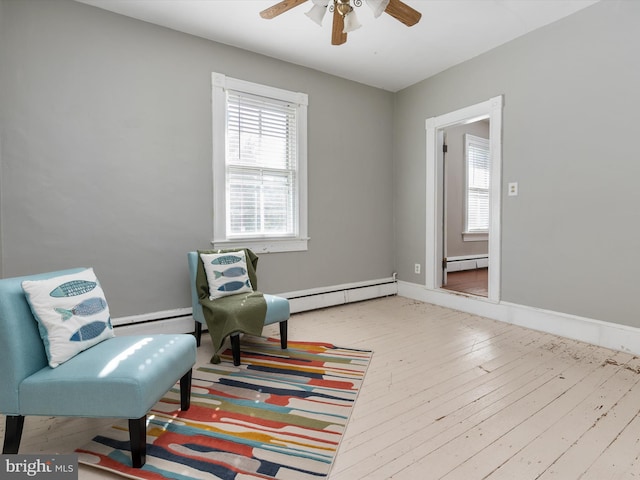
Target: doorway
465	228
491	111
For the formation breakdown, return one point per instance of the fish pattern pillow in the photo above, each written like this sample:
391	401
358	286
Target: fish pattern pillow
227	273
72	313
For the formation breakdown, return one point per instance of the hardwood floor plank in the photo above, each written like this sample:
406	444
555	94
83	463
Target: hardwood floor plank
426	434
610	414
394	432
465	362
620	459
490	424
436	382
474	282
554	427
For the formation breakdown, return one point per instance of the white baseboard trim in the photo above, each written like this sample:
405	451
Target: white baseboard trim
597	332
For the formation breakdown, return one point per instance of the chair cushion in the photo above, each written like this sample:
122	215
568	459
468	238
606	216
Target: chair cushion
71	311
122	377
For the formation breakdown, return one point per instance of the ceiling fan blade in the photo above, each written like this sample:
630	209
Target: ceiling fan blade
403	12
338	37
275	10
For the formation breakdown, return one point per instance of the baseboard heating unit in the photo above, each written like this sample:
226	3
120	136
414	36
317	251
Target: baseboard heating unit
167	321
469	262
312	299
180	320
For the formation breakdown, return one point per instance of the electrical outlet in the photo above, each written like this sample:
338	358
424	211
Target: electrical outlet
416	268
513	189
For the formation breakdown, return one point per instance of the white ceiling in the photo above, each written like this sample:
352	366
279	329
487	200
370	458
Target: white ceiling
383	53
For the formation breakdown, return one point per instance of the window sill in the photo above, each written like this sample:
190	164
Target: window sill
475	236
272	245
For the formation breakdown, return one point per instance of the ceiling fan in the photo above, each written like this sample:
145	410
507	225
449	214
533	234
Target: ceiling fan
344	19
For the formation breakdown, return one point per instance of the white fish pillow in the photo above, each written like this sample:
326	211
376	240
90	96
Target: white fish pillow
227	273
72	313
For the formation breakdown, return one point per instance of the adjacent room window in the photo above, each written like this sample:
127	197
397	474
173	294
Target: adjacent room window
477	187
259	166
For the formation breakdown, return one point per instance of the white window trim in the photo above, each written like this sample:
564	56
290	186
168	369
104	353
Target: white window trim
473	235
219	83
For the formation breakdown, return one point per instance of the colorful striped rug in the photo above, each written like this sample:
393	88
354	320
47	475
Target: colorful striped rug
280	414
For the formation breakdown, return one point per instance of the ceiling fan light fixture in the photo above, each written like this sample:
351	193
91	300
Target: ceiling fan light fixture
345	19
343	7
317	13
378	6
351	22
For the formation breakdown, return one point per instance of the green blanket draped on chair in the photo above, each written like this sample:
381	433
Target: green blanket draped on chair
240	313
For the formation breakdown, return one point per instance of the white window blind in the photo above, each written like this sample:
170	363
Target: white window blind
261	166
478	182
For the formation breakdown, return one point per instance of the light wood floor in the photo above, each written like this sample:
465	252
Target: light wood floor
455	396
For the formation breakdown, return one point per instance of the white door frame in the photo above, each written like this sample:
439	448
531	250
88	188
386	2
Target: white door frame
491	109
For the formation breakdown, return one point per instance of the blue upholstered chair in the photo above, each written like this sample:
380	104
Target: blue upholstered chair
277	311
120	377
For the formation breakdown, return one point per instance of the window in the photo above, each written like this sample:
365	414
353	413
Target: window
477	187
259	166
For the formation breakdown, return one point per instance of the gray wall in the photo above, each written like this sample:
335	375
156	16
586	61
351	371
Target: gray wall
455	178
105	156
571	90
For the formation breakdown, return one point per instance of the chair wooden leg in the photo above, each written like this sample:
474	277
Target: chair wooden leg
13	434
185	391
198	333
283	334
235	349
138	439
